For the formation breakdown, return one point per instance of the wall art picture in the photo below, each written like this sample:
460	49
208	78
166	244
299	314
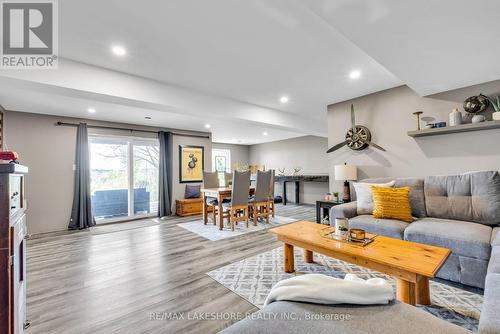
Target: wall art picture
191	163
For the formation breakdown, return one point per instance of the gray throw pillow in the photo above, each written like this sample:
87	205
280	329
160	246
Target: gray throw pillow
192	191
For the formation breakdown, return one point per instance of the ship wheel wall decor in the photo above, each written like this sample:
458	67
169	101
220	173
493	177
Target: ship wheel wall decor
357	138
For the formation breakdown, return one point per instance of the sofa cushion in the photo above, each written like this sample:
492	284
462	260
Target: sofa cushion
417	198
471	197
462	238
387	227
300	318
495	236
489	322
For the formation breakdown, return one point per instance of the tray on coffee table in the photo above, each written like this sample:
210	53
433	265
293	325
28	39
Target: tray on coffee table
329	232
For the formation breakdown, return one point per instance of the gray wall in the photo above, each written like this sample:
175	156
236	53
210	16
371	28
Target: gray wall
239	153
388	115
308	152
49	152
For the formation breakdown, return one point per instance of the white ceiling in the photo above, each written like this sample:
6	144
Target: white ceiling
432	46
227	62
234	131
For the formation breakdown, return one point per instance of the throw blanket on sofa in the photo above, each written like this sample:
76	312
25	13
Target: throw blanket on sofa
322	289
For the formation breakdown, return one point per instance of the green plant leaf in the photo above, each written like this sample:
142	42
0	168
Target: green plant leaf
495	102
496	105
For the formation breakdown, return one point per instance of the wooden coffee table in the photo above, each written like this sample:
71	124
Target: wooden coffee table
411	264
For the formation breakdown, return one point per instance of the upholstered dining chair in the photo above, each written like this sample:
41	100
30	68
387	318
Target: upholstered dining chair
228	179
271	194
237	209
211	180
259	204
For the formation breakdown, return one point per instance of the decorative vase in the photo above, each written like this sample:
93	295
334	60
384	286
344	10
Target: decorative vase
478	119
496	116
476	104
455	117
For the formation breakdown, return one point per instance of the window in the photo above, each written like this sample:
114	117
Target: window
124	177
221	162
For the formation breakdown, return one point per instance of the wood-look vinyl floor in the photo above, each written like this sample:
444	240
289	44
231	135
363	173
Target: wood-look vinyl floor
116	279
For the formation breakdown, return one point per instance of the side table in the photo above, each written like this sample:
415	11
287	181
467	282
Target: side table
322	206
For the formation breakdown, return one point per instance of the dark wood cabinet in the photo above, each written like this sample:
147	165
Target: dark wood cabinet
12	249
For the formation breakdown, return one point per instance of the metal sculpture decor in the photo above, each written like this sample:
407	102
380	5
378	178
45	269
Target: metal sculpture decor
357	138
476	104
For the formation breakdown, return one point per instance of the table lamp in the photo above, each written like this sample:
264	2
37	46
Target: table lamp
346	173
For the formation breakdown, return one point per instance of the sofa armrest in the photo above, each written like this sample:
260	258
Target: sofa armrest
346	210
489	323
495	236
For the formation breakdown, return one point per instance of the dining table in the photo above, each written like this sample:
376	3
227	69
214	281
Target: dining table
220	193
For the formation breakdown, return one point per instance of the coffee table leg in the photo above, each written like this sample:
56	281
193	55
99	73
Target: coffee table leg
308	256
423	291
405	291
288	258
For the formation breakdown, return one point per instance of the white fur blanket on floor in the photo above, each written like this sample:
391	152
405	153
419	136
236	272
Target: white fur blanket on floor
322	289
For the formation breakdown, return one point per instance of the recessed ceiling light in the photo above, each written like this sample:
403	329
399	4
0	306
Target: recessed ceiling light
207	126
119	50
264	133
91	110
355	74
147	117
284	99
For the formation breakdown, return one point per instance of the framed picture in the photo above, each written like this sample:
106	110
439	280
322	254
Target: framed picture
191	163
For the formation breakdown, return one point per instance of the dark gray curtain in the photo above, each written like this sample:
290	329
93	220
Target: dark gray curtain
165	180
81	213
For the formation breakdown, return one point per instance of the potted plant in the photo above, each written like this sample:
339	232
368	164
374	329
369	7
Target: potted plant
336	196
496	105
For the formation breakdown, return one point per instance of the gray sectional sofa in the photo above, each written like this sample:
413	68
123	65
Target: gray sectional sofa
460	212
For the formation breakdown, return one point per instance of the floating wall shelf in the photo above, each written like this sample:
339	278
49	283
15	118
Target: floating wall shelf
488	125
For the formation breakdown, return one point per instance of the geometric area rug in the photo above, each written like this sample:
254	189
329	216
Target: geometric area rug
252	279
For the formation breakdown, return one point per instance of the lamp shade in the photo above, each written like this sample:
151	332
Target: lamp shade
346	173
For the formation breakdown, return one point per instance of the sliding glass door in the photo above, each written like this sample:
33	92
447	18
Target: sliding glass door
145	157
124	177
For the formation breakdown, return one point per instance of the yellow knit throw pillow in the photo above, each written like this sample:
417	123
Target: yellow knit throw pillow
392	203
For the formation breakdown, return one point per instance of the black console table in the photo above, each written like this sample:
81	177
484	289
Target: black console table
297	179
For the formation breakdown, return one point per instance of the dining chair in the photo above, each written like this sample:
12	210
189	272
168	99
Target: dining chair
237	209
228	179
272	206
259	203
211	180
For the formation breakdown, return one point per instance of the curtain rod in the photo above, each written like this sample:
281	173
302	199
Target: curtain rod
131	130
